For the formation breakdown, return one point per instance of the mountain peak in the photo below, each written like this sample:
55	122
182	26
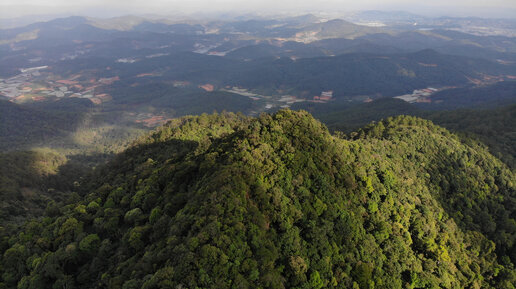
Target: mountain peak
225	200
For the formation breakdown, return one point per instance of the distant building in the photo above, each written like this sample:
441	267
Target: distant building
179	83
108	81
326	95
208	87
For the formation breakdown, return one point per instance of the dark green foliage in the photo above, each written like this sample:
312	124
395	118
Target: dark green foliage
476	201
350	116
69	124
89	244
226	201
181	102
28	180
20	124
495	127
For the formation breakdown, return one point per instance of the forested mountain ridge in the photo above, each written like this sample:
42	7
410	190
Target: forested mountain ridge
276	201
494	127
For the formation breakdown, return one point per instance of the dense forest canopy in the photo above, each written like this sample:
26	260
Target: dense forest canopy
224	200
106	182
491	126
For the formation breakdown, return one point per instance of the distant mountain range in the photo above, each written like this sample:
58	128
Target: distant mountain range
141	71
69	41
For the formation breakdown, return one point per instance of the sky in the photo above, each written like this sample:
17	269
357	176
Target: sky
108	8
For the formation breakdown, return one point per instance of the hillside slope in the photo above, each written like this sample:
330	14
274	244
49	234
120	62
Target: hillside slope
494	127
364	74
18	124
225	201
23	183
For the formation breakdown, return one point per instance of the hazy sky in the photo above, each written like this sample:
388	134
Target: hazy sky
489	8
